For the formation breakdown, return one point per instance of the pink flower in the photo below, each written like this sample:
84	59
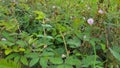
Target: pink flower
90	21
100	11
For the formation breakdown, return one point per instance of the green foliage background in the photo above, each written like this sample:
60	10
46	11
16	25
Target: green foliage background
55	34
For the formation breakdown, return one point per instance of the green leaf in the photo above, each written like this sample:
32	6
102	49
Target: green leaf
40	14
21	49
85	60
61	27
31	40
76	23
75	42
24	60
56	60
72	61
8	51
23	6
21	43
8	64
7	36
47	54
115	54
16	59
103	47
34	61
49	37
64	66
43	62
32	55
11	56
15	48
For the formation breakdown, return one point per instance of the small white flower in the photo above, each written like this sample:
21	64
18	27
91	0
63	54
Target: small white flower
88	8
3	39
84	18
72	17
90	21
45	46
53	7
84	36
100	11
63	55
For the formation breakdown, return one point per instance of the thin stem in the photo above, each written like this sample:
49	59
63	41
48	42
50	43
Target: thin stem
94	50
95	55
65	44
44	33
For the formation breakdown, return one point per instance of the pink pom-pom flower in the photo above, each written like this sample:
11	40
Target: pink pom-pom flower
90	21
100	11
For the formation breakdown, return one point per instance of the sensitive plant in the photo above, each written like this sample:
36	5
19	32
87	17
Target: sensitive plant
60	33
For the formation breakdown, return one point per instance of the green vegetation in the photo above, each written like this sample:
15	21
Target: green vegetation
59	33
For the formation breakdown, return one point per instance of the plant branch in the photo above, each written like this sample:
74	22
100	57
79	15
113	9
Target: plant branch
65	44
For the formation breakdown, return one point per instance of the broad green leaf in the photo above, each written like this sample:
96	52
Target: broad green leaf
27	51
75	42
23	6
53	66
32	55
31	40
40	14
8	64
7	36
64	66
21	43
61	27
11	56
72	61
21	49
34	61
8	51
47	54
76	23
85	60
9	25
115	54
8	43
43	62
103	47
15	48
16	59
49	37
56	60
24	60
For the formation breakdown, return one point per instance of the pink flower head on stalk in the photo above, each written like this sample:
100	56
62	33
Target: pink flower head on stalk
90	21
100	11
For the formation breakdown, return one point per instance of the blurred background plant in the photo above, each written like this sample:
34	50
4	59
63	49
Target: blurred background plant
60	33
